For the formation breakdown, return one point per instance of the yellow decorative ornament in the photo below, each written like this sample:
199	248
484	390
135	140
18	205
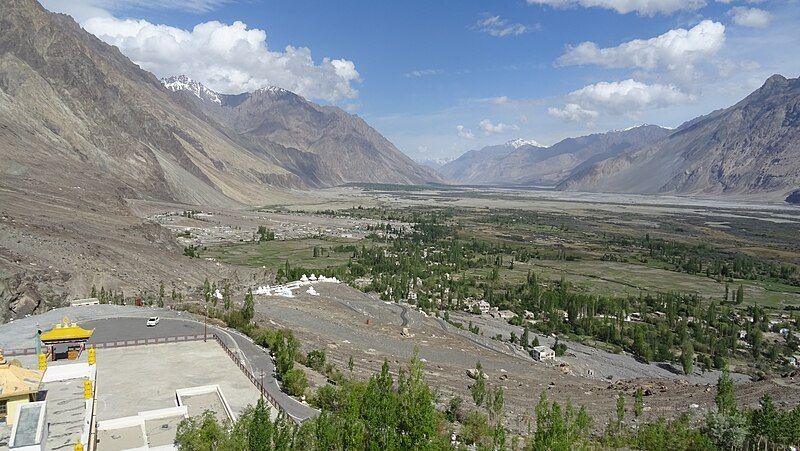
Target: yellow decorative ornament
87	389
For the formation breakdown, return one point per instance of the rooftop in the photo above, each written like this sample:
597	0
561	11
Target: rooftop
17	381
66	330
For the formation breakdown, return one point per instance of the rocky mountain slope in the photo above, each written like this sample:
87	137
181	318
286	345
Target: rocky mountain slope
524	163
480	166
75	110
750	150
323	145
84	133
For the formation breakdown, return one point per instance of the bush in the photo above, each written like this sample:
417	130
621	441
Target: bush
558	429
295	382
316	360
476	430
676	435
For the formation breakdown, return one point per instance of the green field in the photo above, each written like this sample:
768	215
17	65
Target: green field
620	279
274	254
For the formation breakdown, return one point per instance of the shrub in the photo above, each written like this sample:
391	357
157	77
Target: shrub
295	382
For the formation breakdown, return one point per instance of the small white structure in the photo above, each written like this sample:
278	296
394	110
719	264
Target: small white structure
29	432
285	292
82	302
312	291
742	334
506	314
542	353
484	307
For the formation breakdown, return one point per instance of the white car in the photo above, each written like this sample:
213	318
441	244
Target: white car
152	321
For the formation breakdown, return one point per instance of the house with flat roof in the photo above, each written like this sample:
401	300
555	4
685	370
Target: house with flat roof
542	353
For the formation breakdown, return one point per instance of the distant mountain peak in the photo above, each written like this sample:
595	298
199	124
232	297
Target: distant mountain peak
775	79
635	127
185	83
519	142
273	90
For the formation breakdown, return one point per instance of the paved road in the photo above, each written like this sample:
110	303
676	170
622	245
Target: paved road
112	323
403	315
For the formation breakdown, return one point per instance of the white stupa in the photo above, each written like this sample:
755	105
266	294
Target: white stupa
312	291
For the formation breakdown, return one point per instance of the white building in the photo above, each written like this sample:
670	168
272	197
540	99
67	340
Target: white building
506	314
484	307
541	353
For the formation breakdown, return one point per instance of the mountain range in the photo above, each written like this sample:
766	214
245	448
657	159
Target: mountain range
521	162
750	150
322	145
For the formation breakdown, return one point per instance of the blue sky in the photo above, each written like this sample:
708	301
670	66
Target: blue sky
442	77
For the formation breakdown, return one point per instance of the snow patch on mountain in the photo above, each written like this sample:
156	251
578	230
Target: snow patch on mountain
184	83
273	90
519	142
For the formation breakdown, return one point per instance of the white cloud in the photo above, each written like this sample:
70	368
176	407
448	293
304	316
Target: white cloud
499	27
464	132
499	100
627	97
490	128
227	58
573	112
750	17
676	51
643	7
423	73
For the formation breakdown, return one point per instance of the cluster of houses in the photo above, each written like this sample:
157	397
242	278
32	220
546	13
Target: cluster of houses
540	353
484	308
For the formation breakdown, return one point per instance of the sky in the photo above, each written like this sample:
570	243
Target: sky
439	78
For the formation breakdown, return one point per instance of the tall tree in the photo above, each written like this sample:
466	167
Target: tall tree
725	399
638	403
687	356
478	389
248	311
259	434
